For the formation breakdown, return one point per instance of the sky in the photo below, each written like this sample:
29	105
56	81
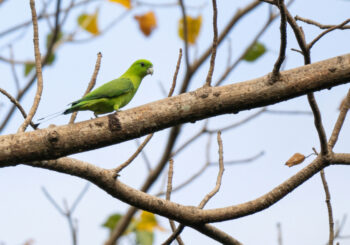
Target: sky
25	212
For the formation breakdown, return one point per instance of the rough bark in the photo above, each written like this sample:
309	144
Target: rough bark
54	142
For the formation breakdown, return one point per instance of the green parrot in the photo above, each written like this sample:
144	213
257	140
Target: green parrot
113	95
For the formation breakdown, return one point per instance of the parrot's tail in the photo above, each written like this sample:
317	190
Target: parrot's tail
49	117
69	110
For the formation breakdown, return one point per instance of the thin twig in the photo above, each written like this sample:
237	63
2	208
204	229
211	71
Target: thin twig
220	174
234	20
79	197
240	161
206	130
329	207
52	201
189	141
168	194
283	46
197	174
215	44
38	70
281	112
171	91
239	123
44	15
318	123
208	163
67	212
299	35
230	68
340	227
145	158
311	98
170	179
340	121
133	156
321	26
18	105
210	194
91	84
327	31
185	29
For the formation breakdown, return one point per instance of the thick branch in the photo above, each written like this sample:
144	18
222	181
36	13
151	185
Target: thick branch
188	215
59	141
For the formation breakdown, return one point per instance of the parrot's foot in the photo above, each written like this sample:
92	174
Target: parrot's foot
117	111
95	115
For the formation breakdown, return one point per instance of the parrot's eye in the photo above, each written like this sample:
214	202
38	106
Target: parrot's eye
142	64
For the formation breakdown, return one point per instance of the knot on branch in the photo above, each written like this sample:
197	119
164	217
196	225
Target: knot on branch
114	123
203	92
53	137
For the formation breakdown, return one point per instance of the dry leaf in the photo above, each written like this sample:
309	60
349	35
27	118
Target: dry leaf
89	22
193	28
295	159
125	3
147	22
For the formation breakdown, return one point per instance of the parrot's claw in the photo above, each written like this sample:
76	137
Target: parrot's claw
95	115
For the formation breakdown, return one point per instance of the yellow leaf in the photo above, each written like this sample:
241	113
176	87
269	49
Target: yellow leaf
89	23
147	22
125	3
147	222
295	160
193	28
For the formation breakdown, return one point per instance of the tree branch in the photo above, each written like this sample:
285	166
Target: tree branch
321	26
215	44
283	46
203	103
38	69
329	208
340	121
17	104
188	215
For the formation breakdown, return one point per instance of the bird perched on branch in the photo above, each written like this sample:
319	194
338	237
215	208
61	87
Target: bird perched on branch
113	95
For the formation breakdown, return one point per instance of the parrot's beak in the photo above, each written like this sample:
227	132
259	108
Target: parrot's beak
150	70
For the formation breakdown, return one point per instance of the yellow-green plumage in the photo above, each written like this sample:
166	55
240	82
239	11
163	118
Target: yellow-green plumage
115	94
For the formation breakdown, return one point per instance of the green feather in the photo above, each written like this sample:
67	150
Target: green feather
116	93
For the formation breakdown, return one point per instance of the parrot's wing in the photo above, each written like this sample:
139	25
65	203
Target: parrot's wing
111	89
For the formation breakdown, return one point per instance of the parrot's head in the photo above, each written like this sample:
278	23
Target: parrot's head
141	68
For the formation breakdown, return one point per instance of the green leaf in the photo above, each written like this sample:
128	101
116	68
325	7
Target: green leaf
144	237
51	59
255	52
49	37
28	67
112	221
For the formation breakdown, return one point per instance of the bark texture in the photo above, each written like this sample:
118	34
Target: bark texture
54	142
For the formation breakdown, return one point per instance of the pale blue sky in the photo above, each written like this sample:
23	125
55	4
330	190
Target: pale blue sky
24	211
